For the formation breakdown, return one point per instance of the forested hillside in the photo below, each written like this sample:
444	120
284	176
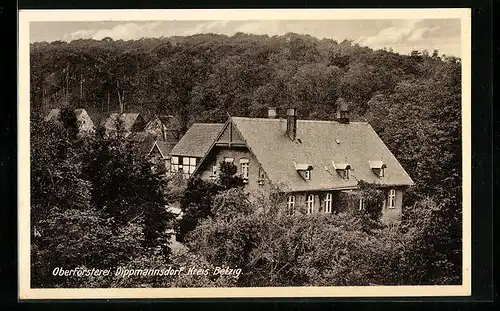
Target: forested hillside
412	101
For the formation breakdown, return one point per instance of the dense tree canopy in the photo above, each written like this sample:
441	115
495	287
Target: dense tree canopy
95	202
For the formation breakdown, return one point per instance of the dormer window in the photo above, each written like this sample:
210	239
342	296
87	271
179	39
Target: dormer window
303	169
343	169
378	167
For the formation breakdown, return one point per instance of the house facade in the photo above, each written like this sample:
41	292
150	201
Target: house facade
186	155
313	162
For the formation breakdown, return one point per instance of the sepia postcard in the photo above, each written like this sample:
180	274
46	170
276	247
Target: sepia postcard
244	153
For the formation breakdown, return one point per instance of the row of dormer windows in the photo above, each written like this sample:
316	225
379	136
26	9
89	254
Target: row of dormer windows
343	171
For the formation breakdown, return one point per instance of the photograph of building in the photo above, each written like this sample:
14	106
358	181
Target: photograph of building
234	154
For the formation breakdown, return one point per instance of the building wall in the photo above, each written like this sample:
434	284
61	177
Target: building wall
388	214
394	214
180	165
319	202
218	154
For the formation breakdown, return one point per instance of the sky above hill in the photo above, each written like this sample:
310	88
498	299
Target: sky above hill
401	35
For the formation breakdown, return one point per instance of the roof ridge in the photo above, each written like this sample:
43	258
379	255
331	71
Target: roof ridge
300	120
207	123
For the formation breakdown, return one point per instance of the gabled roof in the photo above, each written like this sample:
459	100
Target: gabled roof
317	145
197	141
167	120
170	120
142	141
128	120
53	115
97	116
163	146
83	119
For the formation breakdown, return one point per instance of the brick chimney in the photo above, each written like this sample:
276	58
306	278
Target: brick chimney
271	113
291	123
342	111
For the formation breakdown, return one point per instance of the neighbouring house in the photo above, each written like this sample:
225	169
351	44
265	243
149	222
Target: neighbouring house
160	153
313	162
193	146
164	128
84	123
129	122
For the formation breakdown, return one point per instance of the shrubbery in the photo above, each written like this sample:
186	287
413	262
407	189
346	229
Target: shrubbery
323	250
103	191
95	202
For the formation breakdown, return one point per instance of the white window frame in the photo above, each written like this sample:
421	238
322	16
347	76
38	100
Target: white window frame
307	175
188	165
174	164
391	198
361	204
310	204
290	204
185	166
381	172
328	202
229	160
245	168
214	170
192	165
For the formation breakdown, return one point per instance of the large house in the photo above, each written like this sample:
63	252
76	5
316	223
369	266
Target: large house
312	161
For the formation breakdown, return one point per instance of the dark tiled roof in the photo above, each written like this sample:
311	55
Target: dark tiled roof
142	141
197	140
98	117
318	144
